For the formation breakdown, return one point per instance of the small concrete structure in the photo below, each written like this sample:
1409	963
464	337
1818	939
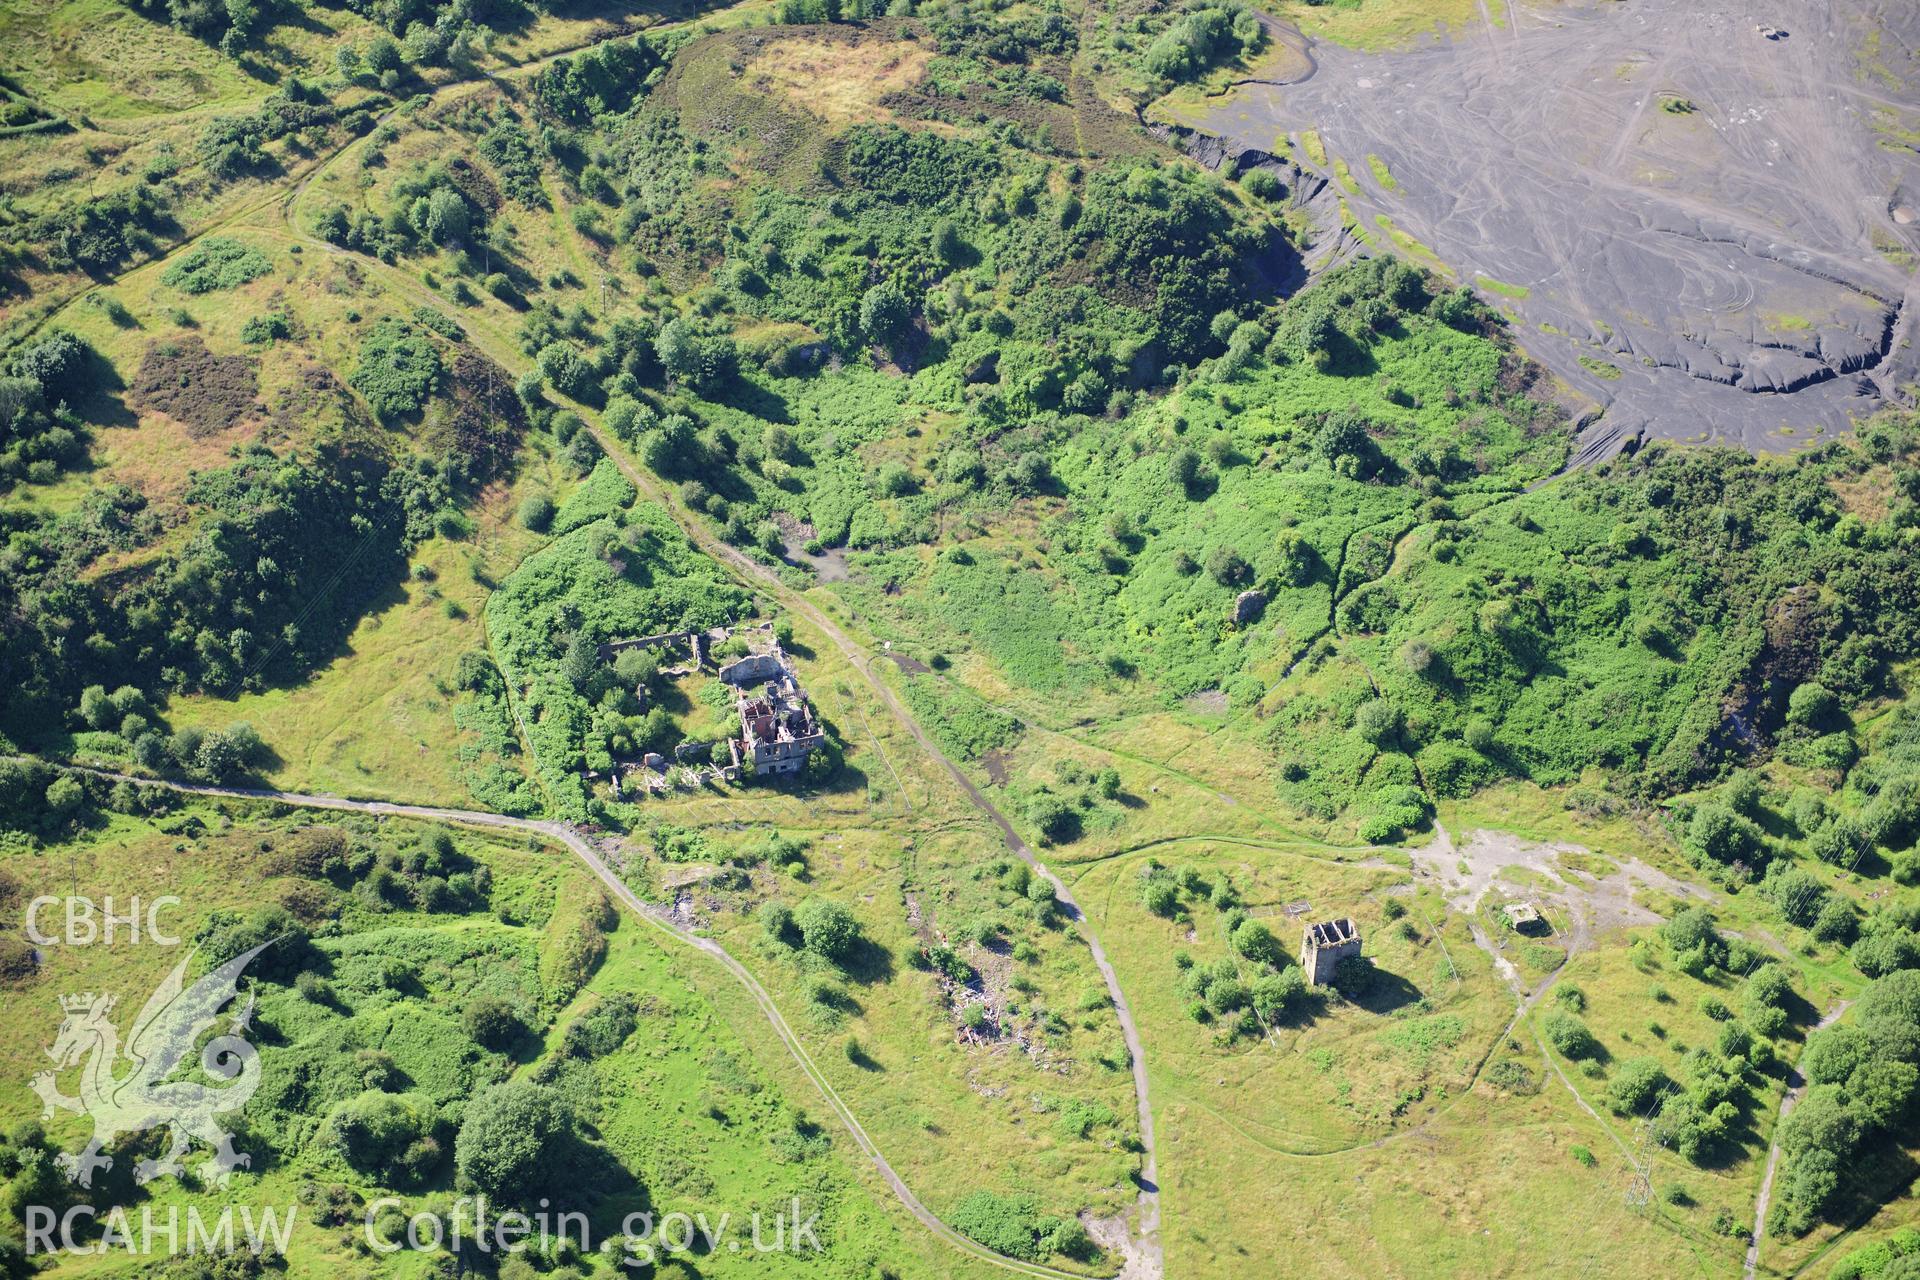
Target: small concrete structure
1324	945
1523	916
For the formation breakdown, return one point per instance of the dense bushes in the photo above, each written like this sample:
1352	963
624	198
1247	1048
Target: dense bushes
1013	1225
1862	1077
283	555
399	370
216	262
516	1142
39	435
620	573
1199	39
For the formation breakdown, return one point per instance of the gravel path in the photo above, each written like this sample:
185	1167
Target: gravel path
1709	233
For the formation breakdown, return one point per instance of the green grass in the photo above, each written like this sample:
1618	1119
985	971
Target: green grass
1515	291
685	1107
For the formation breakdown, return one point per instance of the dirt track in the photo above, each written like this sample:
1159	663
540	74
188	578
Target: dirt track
1730	272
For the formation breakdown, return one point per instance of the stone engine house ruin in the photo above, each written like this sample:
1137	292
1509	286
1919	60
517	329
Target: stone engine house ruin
1324	945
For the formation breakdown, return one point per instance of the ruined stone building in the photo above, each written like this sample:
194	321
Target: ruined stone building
1324	945
777	728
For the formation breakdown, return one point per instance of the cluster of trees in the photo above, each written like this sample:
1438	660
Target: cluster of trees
39	435
99	234
1862	1078
604	80
820	926
1696	1116
1202	37
284	554
1014	1226
1256	984
217	755
1059	812
231	146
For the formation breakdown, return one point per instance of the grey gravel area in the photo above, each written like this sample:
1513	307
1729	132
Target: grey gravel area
1715	232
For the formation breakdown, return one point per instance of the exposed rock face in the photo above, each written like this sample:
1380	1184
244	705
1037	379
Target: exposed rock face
1248	606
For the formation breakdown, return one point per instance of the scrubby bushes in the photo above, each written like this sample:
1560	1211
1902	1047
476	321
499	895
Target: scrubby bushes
216	262
1200	38
516	1142
400	369
1013	1225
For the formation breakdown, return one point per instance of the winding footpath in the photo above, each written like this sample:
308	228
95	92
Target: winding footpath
653	916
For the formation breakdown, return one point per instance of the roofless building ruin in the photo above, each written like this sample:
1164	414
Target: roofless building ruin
1324	945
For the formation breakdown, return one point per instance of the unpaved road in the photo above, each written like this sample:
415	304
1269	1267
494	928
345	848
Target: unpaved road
1796	1089
1740	271
653	916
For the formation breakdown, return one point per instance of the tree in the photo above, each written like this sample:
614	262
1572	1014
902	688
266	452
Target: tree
947	244
678	349
514	1141
1256	942
536	513
1183	467
1812	706
1228	567
492	1022
1296	557
1055	819
884	312
96	708
442	216
382	55
776	920
1568	1034
226	752
1378	721
567	371
57	362
1764	1006
636	667
1161	895
1635	1086
581	662
827	928
895	480
374	1131
65	794
1275	995
1720	835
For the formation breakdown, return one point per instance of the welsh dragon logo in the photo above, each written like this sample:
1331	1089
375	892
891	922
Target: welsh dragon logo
175	1018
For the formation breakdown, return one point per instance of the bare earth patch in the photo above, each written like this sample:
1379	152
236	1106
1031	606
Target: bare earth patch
204	392
837	79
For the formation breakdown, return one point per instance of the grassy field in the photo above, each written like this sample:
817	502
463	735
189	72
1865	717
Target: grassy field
1384	24
696	1120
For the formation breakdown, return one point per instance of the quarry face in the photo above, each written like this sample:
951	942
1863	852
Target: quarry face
1703	218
